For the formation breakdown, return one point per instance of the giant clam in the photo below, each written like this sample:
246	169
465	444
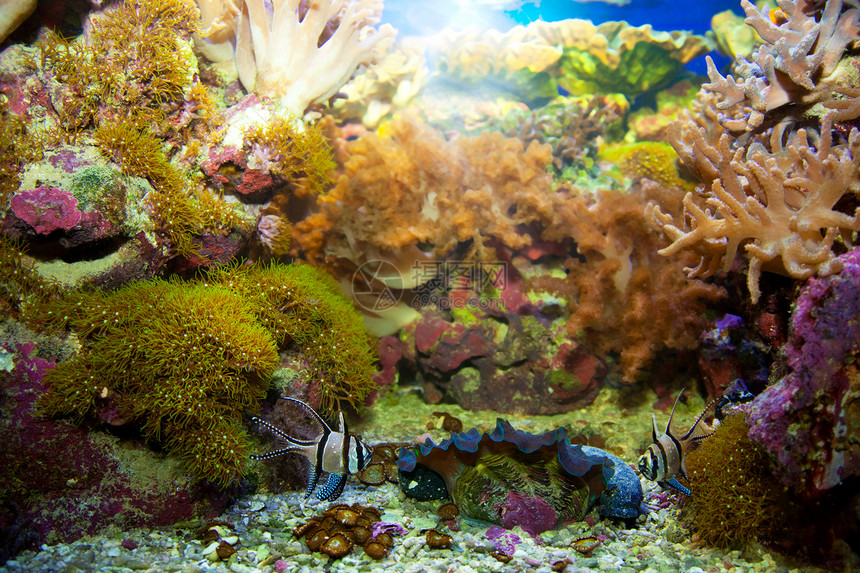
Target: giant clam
511	477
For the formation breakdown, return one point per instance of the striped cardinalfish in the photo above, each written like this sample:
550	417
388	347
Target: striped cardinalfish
337	453
665	458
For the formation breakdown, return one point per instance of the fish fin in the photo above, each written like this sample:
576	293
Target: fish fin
313	480
654	429
282	434
316	416
687	437
333	487
676	485
275	453
672	415
341	423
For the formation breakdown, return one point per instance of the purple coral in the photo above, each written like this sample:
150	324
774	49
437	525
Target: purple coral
530	512
46	209
806	419
503	540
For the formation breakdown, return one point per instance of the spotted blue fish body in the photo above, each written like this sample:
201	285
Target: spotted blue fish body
337	453
665	459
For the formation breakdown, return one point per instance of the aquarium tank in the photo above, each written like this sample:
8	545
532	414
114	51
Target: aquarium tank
396	285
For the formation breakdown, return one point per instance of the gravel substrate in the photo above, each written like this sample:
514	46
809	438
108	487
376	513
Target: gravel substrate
260	527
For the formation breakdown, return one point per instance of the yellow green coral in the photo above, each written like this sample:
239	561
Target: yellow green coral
736	500
297	152
135	59
185	359
651	159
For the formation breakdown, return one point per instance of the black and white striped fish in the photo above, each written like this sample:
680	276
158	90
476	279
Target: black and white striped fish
665	458
337	453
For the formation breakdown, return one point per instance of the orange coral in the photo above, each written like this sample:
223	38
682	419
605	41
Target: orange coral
410	185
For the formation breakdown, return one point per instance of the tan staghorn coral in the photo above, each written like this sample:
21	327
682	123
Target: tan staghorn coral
299	51
797	65
778	207
783	193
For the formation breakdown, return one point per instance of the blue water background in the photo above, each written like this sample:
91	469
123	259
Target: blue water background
424	17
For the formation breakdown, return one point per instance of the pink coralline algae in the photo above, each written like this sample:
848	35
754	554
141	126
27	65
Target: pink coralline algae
46	209
809	420
497	360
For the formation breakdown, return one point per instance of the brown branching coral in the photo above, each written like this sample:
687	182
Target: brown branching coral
778	193
623	298
797	65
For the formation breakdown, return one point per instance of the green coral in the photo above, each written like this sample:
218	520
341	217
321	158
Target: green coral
20	284
644	68
181	212
297	152
186	358
652	159
136	59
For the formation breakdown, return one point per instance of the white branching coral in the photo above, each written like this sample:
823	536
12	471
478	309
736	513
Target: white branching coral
779	207
797	64
298	51
779	171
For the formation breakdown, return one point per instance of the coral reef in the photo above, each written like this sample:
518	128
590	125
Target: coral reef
261	149
129	89
510	477
619	290
12	14
800	63
409	185
20	285
295	50
652	159
780	207
69	482
46	209
807	419
574	127
775	193
134	64
390	84
128	368
729	352
505	362
574	54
